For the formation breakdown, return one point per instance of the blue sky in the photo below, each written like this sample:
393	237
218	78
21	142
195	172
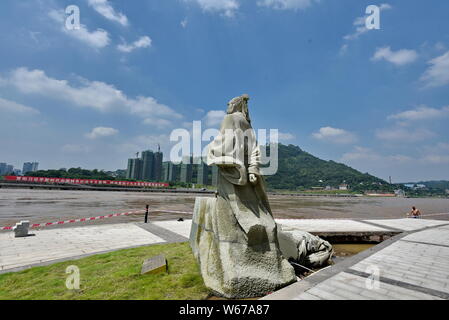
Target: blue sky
377	100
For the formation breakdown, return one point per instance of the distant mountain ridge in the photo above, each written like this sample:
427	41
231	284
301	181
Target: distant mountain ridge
298	169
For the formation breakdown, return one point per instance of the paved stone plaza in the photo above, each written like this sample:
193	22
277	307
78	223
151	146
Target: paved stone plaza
411	265
56	244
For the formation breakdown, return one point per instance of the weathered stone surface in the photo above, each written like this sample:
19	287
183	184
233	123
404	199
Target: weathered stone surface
21	229
234	264
154	265
304	248
234	236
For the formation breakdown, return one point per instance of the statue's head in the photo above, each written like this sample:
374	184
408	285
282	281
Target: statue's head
239	104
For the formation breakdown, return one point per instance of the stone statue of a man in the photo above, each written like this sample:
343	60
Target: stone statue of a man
234	236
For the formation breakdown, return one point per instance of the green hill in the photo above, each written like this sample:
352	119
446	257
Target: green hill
299	170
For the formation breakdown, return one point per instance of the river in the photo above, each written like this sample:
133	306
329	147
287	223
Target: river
40	206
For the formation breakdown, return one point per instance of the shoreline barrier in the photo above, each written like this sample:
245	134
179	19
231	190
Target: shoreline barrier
40	225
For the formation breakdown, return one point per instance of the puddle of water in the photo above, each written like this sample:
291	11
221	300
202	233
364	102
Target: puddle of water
350	249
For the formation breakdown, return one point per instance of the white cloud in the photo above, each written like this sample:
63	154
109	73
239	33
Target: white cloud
96	39
75	148
385	6
361	154
286	4
436	159
421	113
359	30
344	49
438	148
436	154
403	135
214	118
142	42
91	94
439	46
101	132
360	25
184	23
104	8
438	73
158	123
284	136
7	106
398	58
335	135
225	7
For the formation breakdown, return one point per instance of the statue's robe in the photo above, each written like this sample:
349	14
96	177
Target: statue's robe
234	236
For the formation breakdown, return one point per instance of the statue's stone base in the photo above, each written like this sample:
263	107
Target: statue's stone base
235	264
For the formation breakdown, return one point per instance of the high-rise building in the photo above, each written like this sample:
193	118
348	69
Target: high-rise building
203	174
186	170
166	171
170	172
158	157
129	168
148	165
134	169
174	172
30	167
6	169
9	169
2	168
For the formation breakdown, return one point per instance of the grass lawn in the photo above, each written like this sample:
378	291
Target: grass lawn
114	275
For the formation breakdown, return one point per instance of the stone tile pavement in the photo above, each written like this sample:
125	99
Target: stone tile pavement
328	225
55	244
412	265
347	225
181	228
407	224
347	286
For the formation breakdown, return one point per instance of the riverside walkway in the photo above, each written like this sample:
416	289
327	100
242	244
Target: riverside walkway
412	264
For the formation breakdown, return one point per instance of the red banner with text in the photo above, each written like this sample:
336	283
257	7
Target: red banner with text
87	182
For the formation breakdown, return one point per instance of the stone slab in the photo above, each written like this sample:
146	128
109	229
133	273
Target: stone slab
154	265
408	224
180	227
329	225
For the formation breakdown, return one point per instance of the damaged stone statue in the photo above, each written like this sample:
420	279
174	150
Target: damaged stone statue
234	236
